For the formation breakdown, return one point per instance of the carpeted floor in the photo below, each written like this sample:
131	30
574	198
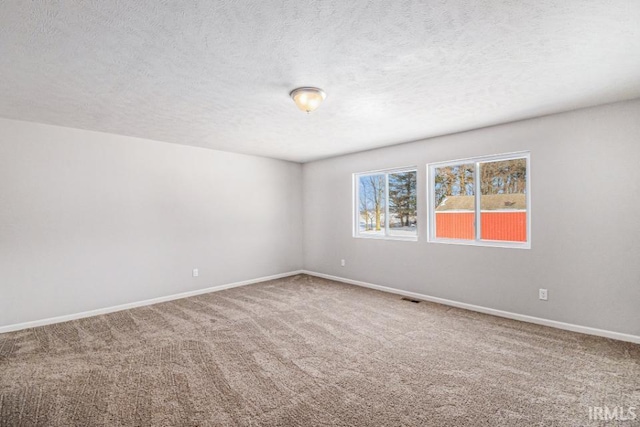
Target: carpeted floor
304	351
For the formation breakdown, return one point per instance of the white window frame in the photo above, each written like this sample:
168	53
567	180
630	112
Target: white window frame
356	209
431	220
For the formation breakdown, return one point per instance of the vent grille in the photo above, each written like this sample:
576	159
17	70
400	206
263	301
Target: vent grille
415	301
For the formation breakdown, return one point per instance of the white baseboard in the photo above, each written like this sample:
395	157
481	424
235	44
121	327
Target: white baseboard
509	315
66	318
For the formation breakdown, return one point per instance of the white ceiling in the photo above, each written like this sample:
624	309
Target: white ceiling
218	74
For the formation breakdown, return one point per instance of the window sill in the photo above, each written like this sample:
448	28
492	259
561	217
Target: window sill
402	238
486	243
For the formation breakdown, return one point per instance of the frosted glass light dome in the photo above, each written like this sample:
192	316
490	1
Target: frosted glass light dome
308	98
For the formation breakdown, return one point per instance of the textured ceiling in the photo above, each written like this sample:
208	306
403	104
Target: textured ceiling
217	74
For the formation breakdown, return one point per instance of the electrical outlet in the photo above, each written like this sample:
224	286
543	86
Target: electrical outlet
195	272
343	262
542	294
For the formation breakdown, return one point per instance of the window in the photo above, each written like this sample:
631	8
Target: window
385	204
481	201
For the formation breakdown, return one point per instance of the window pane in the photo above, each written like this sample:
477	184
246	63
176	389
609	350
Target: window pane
503	201
403	219
372	205
454	190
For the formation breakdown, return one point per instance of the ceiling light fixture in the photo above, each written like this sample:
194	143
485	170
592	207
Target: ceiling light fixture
308	98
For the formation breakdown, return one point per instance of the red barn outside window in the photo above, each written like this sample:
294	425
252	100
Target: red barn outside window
482	201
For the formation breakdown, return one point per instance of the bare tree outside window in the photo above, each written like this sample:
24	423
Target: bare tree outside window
386	204
372	189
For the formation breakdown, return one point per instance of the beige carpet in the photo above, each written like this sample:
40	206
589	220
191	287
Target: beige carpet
304	351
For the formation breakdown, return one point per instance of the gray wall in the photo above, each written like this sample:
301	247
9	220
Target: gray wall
90	220
585	169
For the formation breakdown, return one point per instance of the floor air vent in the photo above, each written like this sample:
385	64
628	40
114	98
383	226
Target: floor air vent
410	300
